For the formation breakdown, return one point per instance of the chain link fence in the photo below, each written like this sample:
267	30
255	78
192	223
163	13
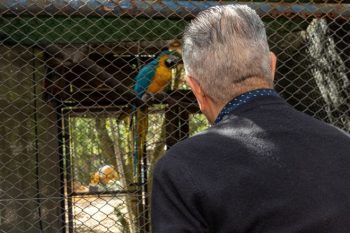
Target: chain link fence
77	143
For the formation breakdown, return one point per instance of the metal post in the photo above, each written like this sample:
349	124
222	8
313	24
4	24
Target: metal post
59	126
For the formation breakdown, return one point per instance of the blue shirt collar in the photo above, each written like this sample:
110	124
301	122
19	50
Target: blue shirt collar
241	100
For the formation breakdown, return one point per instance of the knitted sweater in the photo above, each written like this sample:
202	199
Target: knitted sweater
265	168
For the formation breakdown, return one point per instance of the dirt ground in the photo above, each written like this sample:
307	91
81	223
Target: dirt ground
98	214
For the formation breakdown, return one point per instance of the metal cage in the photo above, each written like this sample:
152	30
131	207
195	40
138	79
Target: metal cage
67	105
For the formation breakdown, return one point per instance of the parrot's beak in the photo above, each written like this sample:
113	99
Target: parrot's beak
173	61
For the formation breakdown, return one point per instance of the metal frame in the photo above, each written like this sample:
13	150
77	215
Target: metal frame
166	8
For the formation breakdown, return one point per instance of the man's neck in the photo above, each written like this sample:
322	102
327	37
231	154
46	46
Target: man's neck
214	110
243	99
217	107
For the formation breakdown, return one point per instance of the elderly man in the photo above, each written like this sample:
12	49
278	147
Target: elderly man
262	166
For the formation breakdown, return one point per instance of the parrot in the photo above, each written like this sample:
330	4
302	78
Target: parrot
151	79
156	75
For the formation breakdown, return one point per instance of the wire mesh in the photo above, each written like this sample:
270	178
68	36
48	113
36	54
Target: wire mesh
78	145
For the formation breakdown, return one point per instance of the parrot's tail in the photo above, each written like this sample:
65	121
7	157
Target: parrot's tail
139	129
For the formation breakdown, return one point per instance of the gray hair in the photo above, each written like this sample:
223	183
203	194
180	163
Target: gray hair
223	47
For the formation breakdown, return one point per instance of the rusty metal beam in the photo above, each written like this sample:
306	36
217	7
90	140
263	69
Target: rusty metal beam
164	8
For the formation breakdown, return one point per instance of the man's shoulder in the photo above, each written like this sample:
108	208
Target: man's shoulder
190	146
178	160
201	146
321	126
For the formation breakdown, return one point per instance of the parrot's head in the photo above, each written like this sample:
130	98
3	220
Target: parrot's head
170	59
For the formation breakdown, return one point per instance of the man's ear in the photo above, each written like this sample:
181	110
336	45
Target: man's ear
273	63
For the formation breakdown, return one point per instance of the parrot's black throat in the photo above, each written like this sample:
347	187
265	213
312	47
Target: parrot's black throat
172	61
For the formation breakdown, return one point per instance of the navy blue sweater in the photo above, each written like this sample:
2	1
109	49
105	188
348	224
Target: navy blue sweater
267	168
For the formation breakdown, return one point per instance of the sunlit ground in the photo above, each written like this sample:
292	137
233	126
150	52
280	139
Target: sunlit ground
98	214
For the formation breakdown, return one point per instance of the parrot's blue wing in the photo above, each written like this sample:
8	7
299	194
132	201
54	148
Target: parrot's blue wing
144	78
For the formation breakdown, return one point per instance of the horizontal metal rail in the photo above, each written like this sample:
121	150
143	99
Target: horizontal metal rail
165	8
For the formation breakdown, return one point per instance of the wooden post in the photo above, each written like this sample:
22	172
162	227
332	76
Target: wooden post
177	124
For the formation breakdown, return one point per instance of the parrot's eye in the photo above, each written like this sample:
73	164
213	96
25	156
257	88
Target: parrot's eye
172	61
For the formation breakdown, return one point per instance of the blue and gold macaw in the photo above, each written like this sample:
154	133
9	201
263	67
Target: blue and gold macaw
156	75
151	79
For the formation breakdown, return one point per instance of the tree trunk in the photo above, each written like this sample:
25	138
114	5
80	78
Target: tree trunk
122	168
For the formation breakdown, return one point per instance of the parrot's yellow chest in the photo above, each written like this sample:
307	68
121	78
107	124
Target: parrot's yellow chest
161	79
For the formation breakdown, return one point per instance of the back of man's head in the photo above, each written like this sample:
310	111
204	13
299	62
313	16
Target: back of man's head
224	47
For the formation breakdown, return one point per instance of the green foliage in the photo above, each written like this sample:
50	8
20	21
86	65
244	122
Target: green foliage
198	123
85	148
92	145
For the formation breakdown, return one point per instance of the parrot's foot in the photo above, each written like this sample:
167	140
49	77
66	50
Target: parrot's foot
147	96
